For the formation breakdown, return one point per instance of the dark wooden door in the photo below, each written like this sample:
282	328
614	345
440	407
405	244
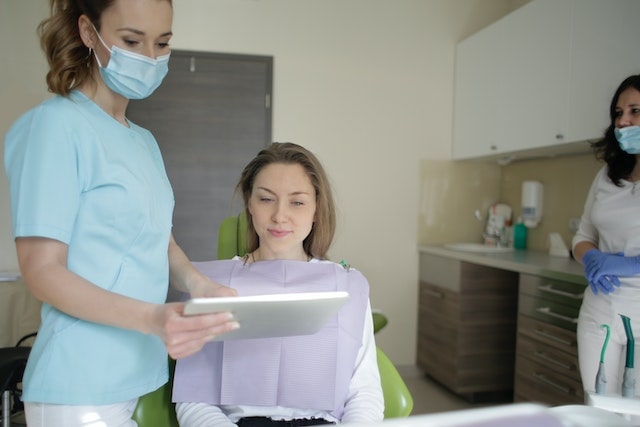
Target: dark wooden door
211	115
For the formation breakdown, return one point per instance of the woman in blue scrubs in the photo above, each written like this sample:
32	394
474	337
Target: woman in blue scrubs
91	213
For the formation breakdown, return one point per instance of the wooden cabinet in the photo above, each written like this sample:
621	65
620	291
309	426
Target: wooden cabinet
467	325
546	368
539	81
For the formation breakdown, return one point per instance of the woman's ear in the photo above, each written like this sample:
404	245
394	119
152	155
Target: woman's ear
87	32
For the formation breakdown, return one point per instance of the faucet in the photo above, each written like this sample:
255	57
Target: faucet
496	232
494	238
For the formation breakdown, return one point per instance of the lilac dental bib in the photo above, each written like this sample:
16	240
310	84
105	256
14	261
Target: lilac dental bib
312	371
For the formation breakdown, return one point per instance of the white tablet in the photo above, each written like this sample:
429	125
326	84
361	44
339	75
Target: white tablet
278	315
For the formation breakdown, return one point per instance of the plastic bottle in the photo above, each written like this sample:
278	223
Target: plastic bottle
520	235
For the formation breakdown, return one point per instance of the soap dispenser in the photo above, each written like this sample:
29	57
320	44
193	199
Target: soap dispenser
532	195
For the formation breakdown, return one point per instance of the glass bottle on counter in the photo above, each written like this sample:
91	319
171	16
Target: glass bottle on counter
508	235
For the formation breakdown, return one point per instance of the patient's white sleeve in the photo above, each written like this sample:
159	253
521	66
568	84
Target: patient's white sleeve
365	402
201	414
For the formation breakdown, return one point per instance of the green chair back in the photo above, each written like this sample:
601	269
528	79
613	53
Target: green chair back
155	409
232	237
398	402
379	320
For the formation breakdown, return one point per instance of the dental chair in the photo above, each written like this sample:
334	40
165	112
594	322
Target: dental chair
379	320
13	360
156	409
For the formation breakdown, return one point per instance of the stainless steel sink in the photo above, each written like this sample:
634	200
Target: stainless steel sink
477	247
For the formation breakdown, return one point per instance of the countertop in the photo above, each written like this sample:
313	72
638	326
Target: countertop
521	261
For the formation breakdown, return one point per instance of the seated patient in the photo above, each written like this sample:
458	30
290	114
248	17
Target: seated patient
328	377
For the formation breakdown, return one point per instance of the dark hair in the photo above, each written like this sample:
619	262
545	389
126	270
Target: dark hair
70	61
319	240
620	163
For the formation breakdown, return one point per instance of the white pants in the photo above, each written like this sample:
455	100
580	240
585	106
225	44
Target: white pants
49	415
597	310
606	309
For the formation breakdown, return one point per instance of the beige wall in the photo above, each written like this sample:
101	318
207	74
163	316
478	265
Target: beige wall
366	84
450	194
22	85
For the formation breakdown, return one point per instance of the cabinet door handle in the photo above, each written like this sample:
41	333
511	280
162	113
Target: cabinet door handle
549	288
552	337
542	355
433	293
543	378
548	312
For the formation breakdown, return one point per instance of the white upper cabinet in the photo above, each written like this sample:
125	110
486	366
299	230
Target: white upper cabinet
475	99
539	81
605	50
534	76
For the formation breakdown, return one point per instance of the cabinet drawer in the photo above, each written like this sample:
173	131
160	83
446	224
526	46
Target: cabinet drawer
465	277
549	311
467	369
466	340
440	302
550	335
559	361
566	293
537	382
479	309
471	341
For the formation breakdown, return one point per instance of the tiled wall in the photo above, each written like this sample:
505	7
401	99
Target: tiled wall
566	181
452	191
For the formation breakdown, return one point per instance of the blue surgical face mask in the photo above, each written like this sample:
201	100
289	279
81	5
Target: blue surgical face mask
132	75
629	139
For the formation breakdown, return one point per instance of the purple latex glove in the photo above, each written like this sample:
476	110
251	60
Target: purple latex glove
602	269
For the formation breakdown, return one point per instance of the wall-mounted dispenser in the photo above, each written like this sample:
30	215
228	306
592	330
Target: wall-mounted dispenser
532	192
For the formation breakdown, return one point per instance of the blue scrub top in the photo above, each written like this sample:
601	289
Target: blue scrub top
78	176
